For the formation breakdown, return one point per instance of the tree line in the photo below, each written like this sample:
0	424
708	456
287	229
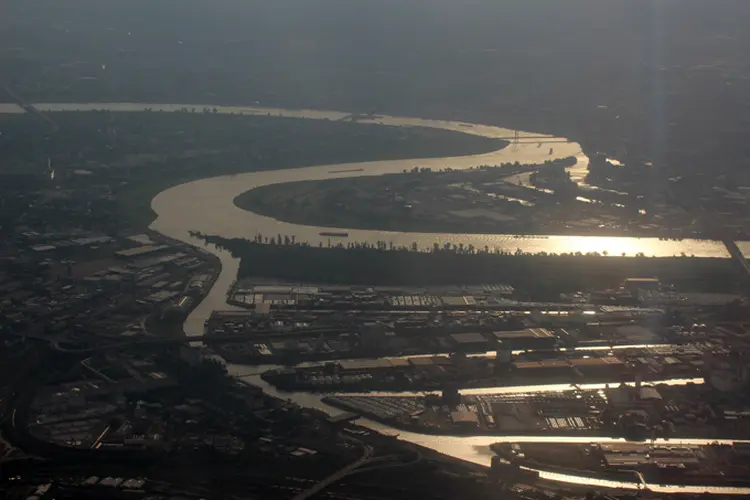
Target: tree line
537	276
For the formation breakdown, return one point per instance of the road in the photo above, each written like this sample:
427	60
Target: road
340	474
641	479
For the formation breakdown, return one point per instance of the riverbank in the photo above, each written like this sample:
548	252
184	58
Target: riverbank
476	449
540	276
677	464
425	373
456	432
156	148
572	414
493	199
179	200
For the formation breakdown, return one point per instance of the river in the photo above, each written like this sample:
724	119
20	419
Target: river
207	206
9	108
476	449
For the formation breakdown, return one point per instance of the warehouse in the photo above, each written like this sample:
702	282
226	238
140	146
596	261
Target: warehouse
545	368
465	418
140	251
599	366
530	338
470	342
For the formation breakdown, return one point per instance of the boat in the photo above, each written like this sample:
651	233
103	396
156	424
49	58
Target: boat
335	234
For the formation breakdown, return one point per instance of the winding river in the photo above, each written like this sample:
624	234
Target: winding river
207	206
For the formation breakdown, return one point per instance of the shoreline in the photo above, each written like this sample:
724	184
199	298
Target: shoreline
344	389
469	433
273	201
525	152
549	274
648	477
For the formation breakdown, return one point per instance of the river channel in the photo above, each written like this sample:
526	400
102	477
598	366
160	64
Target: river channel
207	206
476	449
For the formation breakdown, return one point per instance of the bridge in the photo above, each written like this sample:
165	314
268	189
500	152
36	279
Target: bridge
365	463
707	219
367	452
29	108
736	254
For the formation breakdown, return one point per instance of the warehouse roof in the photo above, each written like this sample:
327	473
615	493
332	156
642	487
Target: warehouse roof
528	333
363	364
550	363
398	362
468	338
464	417
142	250
610	360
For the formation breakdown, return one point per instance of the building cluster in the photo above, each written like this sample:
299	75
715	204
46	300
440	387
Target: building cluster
451	412
80	290
652	463
102	408
130	406
504	368
649	293
556	199
317	323
254	296
637	412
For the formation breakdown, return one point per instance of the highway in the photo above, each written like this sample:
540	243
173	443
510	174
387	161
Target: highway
340	474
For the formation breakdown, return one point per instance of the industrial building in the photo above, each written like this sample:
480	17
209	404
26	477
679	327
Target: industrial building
530	338
140	251
470	342
632	285
465	418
